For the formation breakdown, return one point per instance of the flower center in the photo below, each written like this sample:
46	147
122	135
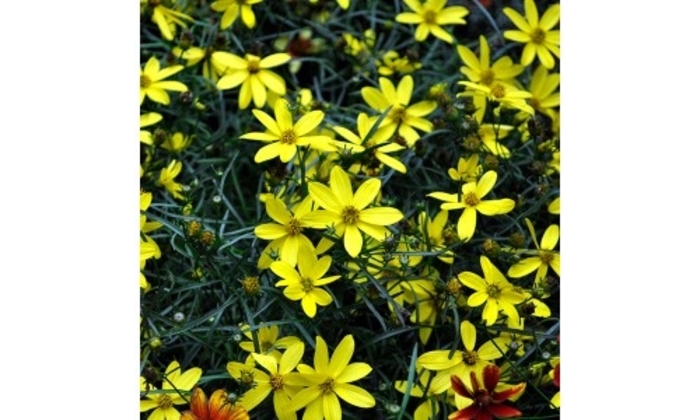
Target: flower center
429	17
253	65
397	114
276	382
470	357
164	401
471	199
350	215
327	386
546	257
483	398
487	77
145	81
265	346
493	291
534	102
498	91
293	227
288	137
307	285
537	36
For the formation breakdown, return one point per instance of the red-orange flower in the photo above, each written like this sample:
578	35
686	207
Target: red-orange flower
216	408
487	403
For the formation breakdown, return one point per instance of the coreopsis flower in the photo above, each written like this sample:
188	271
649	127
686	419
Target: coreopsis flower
304	284
493	290
167	179
461	362
433	230
153	85
253	74
287	234
284	135
500	92
167	19
555	376
467	170
480	70
542	87
347	212
277	380
268	341
194	55
175	384
431	16
488	396
403	117
374	148
544	257
148	247
146	120
234	8
471	201
329	379
535	33
177	142
490	134
424	388
215	408
392	62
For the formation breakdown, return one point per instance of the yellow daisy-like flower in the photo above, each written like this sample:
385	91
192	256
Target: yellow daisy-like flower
536	34
175	384
544	258
167	179
542	87
347	213
461	362
177	142
392	63
490	134
167	19
431	16
329	379
277	381
234	8
468	170
305	283
500	92
153	85
288	239
479	70
493	290
472	202
375	147
268	340
433	229
146	120
403	117
253	74
284	135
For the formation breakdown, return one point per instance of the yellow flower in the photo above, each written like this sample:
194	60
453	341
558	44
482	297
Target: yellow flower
494	290
148	247
460	362
268	341
166	19
544	258
284	135
153	85
167	179
471	201
393	63
288	239
330	379
347	213
431	16
373	148
499	92
146	120
304	284
175	384
276	382
542	87
479	70
490	134
403	117
253	74
233	8
536	34
433	228
467	170
177	142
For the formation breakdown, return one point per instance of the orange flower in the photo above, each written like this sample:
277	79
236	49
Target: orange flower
216	408
487	403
